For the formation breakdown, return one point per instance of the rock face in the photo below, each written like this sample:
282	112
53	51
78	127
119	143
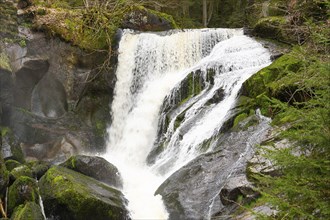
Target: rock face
70	195
211	184
53	98
95	167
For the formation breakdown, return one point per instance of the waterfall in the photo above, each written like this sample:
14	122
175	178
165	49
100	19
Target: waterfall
150	74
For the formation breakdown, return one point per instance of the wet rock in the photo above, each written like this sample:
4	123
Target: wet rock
70	195
95	167
22	190
203	187
29	210
238	188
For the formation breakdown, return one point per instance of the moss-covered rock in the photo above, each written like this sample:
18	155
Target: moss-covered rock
71	195
23	189
19	171
38	168
27	211
11	146
263	84
143	19
95	167
273	28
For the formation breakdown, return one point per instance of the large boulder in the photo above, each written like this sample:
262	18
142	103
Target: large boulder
213	183
22	190
95	167
70	195
27	211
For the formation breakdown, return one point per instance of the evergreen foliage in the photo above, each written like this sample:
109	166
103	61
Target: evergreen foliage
298	100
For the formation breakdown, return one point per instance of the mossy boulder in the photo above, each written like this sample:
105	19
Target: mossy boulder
12	164
263	83
10	146
272	27
27	211
95	167
19	171
143	19
38	168
23	189
70	195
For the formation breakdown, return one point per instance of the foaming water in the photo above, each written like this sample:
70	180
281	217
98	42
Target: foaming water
150	68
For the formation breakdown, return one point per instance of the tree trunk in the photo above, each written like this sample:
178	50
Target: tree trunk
205	13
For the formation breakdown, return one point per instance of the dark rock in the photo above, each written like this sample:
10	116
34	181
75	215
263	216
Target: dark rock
70	195
47	80
38	168
23	189
19	171
238	188
28	72
11	164
276	56
95	167
217	97
49	98
23	4
146	20
27	211
194	191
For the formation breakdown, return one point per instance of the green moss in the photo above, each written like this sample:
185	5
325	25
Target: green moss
164	16
82	196
4	63
263	81
27	211
4	131
19	171
240	118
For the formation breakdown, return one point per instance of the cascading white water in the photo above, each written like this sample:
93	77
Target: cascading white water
150	66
